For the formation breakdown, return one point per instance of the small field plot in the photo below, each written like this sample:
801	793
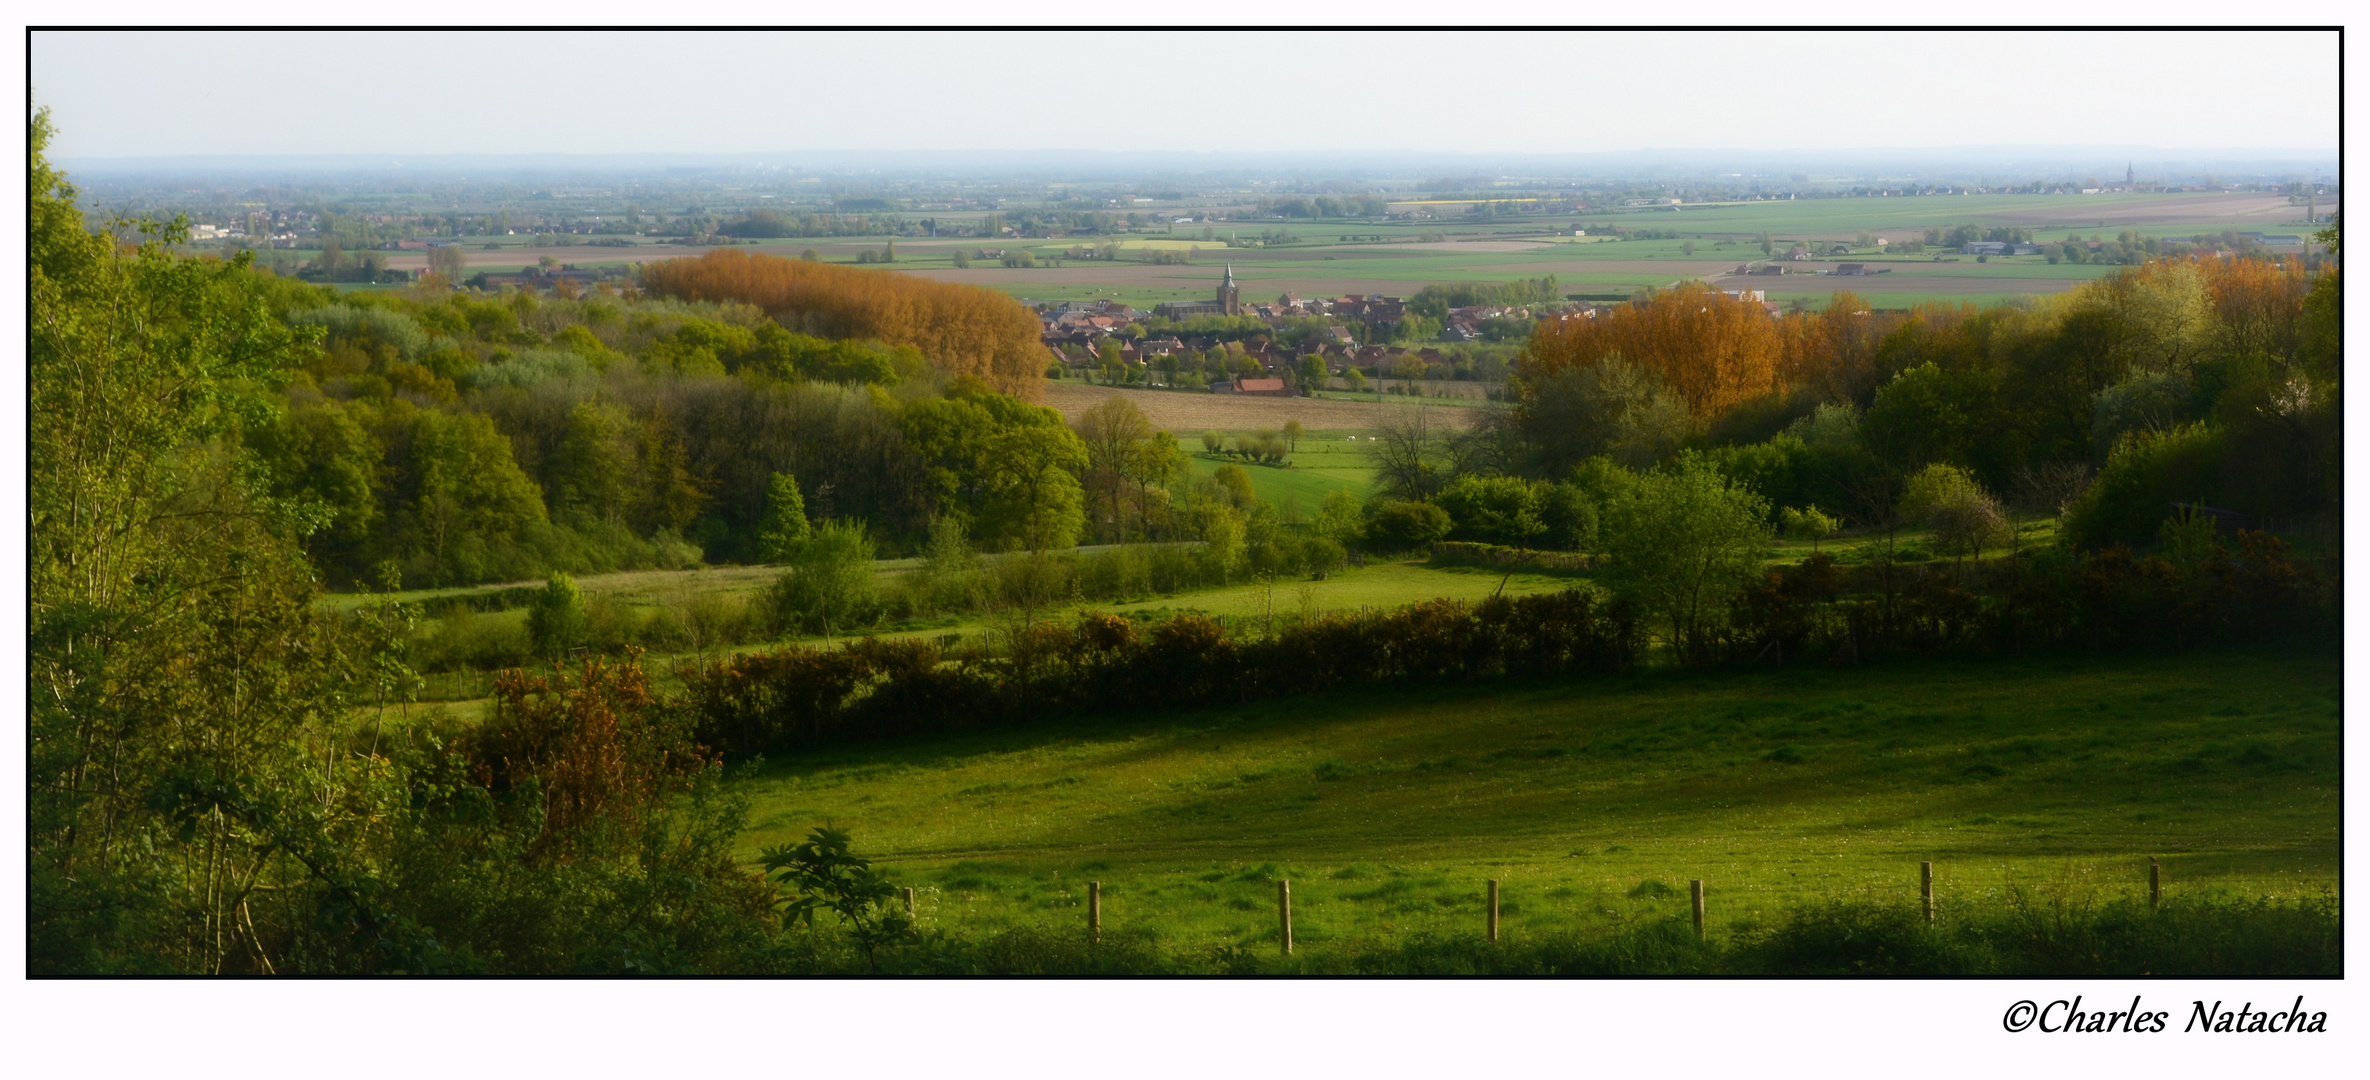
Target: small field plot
1602	798
1189	413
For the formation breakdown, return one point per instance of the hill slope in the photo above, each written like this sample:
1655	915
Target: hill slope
1601	799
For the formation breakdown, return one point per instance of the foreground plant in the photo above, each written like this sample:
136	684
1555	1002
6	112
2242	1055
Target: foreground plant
830	877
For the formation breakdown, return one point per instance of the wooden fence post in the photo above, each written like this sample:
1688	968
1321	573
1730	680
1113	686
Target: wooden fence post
909	901
1695	889
1925	887
1094	910
1284	911
1493	910
2155	883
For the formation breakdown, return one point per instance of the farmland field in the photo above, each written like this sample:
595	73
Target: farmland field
1324	262
1332	258
1188	413
1596	799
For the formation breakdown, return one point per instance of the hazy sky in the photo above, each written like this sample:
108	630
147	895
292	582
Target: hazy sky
197	92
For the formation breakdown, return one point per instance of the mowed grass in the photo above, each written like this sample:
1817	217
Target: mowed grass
1600	799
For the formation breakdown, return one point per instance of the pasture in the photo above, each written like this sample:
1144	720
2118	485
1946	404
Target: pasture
1596	801
1324	463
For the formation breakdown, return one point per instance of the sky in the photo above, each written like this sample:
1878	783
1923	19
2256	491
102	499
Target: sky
172	93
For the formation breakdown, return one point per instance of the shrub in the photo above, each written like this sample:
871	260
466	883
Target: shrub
2143	478
829	585
556	622
1405	525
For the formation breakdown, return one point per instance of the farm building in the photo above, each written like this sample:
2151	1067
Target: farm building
1998	247
1256	387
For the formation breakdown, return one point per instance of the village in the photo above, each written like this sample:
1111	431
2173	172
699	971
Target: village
1311	341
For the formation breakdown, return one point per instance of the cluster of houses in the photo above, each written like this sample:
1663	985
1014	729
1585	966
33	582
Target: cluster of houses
1089	333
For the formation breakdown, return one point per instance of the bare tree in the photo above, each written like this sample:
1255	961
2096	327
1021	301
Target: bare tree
1409	454
2052	487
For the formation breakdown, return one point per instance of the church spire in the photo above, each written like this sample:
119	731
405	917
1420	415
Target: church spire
1229	274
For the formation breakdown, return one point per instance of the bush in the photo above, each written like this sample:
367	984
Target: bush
2143	478
556	623
1494	509
1403	525
829	586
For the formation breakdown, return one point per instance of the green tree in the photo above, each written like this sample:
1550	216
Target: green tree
556	622
784	525
1236	483
181	688
1222	536
592	472
1339	519
1806	523
1035	500
829	585
1680	542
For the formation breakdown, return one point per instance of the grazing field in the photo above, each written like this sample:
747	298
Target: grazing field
1325	463
1188	413
1597	801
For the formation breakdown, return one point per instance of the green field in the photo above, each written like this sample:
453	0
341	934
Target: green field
1320	262
1598	801
1320	467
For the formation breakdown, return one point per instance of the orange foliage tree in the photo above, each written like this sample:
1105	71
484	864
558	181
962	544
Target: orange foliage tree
1832	353
963	329
1713	350
2259	304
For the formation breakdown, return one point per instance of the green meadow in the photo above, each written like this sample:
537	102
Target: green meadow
1320	467
1595	802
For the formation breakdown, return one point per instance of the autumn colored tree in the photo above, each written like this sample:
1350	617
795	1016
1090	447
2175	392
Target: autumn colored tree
963	329
1711	349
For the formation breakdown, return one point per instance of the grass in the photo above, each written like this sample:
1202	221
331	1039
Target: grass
1319	468
1597	801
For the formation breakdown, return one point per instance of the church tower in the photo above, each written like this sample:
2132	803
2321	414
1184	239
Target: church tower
1230	297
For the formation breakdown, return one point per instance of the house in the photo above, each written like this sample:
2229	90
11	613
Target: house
1851	269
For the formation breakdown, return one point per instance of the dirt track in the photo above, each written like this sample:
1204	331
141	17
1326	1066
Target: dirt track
1188	413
